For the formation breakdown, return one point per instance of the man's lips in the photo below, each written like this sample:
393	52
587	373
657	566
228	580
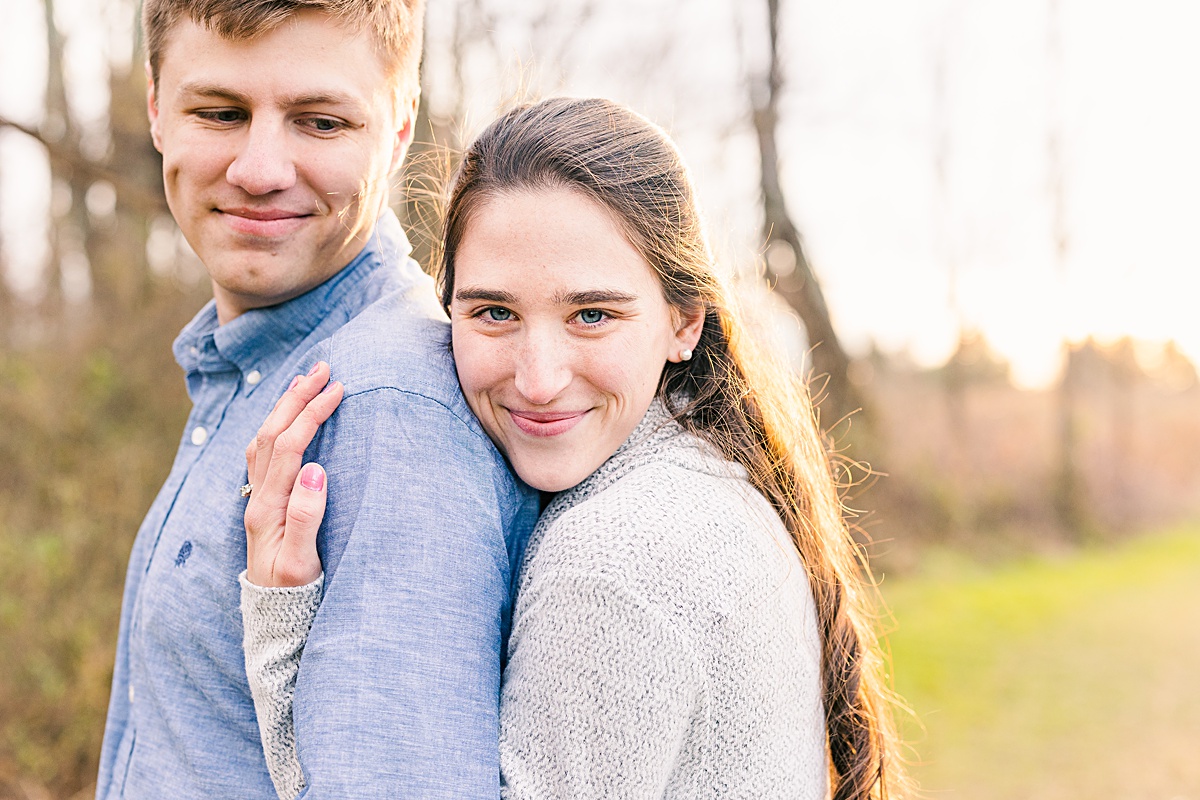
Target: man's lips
546	423
267	222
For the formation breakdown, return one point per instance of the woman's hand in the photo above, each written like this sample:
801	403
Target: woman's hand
287	503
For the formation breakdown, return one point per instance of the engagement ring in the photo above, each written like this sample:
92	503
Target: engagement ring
247	489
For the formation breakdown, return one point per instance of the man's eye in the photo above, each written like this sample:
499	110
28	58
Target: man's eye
225	115
591	316
497	314
323	125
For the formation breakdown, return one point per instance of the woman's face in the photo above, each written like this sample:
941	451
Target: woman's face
560	332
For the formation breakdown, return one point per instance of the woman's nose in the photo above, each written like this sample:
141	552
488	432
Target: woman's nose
543	369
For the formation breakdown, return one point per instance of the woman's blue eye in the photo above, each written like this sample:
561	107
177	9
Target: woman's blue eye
591	316
499	314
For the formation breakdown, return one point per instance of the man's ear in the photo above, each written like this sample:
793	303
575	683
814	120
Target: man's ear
406	124
152	109
687	332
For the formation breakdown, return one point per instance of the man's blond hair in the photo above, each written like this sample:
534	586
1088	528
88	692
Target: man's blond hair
395	24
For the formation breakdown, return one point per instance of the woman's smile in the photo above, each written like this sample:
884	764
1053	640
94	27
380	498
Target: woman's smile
546	423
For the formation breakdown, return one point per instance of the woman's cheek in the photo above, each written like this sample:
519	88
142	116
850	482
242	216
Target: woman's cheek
484	363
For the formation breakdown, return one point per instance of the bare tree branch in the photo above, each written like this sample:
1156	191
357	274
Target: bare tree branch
134	195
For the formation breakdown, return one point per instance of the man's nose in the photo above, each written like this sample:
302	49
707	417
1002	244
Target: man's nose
263	164
543	368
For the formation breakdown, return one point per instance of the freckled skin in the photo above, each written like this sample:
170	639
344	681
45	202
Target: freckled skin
561	332
276	152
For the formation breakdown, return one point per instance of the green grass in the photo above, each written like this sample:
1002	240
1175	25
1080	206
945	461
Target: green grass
1076	677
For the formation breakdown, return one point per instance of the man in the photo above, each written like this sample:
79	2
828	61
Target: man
280	122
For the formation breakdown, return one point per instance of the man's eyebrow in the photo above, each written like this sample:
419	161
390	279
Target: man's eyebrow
489	295
213	90
322	99
592	296
225	93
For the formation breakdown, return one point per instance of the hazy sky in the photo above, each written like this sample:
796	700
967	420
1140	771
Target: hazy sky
864	122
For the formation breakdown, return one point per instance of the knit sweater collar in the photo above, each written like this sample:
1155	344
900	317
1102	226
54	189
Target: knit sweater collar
657	439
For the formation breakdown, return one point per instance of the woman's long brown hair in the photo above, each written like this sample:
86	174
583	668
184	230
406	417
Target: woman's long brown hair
754	410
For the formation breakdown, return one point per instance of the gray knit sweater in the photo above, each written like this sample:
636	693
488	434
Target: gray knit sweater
664	640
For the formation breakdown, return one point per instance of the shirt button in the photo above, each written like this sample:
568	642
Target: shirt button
131	693
253	377
194	350
199	436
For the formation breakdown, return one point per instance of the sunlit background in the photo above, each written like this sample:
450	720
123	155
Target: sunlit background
917	147
998	199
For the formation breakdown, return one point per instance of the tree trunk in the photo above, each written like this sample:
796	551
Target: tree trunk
799	288
1070	495
66	235
123	281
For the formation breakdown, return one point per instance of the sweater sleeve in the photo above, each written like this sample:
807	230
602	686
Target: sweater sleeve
598	694
275	625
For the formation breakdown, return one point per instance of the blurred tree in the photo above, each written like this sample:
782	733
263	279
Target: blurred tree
797	285
6	299
122	279
1071	494
101	206
1173	370
1070	488
68	185
956	374
1125	376
974	362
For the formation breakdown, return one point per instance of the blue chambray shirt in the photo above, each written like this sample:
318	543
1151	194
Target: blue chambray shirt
398	689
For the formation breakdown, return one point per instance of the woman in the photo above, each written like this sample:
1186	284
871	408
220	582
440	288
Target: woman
690	618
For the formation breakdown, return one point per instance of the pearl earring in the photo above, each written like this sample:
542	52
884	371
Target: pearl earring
685	355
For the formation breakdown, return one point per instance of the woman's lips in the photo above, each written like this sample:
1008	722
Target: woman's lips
545	423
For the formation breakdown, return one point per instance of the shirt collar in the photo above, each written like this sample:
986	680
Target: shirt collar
261	339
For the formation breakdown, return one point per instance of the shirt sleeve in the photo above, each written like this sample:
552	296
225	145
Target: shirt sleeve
398	691
598	692
275	625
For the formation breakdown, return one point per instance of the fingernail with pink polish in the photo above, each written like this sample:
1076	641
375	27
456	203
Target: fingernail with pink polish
314	369
312	477
292	385
329	387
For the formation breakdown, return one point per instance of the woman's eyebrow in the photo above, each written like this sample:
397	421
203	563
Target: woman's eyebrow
489	295
579	298
591	296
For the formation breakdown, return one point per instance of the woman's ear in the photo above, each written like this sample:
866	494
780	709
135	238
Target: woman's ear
687	334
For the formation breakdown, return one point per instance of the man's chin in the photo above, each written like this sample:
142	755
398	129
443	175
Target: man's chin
236	294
